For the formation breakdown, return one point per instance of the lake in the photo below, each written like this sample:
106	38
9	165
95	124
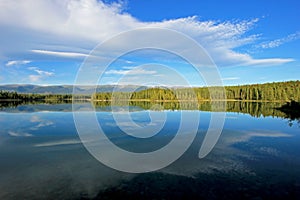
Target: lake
42	157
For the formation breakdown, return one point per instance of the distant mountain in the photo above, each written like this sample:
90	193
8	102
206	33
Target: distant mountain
68	89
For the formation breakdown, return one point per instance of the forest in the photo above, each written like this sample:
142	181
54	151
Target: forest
12	95
278	91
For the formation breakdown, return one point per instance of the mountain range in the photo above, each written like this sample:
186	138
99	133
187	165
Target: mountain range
68	89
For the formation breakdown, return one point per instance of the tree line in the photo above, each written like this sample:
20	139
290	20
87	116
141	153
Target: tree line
278	91
286	91
12	95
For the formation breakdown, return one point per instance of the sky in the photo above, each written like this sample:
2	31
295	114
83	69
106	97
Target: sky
49	42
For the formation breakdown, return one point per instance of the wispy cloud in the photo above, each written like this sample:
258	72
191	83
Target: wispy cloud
128	62
131	72
60	53
40	74
230	78
279	42
270	61
17	62
46	73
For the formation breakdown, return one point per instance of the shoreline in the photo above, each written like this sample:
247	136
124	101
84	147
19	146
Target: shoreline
149	100
202	100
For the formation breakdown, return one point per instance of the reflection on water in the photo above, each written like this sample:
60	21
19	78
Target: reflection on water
292	111
255	109
41	156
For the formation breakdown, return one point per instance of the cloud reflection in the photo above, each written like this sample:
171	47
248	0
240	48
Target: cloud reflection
19	134
40	122
56	143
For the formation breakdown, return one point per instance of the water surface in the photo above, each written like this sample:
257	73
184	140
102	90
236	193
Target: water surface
42	157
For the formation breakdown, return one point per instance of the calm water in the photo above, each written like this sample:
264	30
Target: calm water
41	156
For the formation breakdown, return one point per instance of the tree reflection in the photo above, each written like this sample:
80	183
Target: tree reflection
255	109
291	111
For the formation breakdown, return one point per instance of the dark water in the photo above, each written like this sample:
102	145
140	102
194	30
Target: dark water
256	157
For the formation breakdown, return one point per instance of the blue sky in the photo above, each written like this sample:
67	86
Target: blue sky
45	42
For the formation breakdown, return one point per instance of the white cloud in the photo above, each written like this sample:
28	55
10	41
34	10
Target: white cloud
59	53
137	71
17	62
270	61
82	24
119	72
129	62
279	42
40	74
230	78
